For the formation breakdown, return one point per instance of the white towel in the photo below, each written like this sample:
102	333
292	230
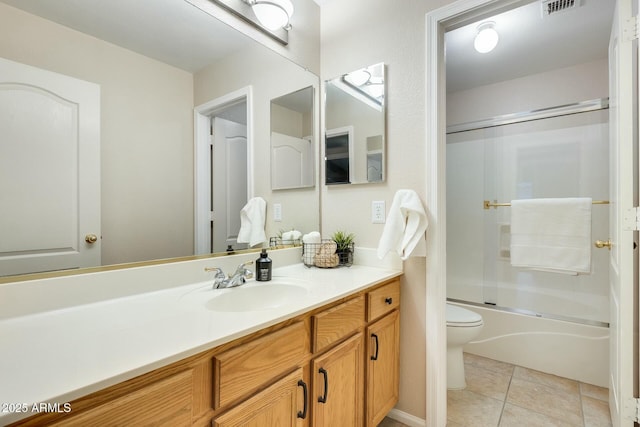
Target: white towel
552	234
312	237
252	219
290	236
405	226
310	240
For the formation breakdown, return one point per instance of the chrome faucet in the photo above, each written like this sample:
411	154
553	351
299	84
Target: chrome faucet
238	278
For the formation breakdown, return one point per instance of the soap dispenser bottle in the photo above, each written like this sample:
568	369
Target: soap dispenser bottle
263	267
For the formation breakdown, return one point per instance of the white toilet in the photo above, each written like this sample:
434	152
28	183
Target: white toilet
462	326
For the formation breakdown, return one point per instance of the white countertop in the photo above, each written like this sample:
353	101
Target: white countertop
57	356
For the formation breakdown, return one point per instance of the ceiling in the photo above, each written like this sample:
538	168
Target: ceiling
172	31
529	43
178	33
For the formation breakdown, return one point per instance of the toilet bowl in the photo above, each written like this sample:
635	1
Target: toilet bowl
462	326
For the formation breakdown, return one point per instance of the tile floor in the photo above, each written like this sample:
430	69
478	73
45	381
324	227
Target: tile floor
504	395
499	394
388	422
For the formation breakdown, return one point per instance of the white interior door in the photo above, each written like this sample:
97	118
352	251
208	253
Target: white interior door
622	279
290	162
49	170
229	182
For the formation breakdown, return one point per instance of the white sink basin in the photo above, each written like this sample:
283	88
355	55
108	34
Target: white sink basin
265	296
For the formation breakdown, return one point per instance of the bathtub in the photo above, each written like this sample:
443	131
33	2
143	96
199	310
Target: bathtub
568	349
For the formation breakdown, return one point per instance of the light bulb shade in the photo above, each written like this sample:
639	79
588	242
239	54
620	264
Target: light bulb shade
358	77
487	38
273	14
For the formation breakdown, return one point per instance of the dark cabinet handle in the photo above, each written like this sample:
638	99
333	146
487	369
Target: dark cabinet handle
375	356
323	398
303	414
388	300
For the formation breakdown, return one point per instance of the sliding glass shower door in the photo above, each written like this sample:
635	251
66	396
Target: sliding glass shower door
555	157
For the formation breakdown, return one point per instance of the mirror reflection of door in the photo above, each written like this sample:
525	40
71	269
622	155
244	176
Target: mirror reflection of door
338	157
223	178
292	140
49	171
228	182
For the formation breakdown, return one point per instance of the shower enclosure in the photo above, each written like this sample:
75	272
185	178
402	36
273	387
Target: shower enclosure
552	153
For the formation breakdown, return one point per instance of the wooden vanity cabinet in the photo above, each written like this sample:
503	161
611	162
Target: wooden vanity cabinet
383	351
333	366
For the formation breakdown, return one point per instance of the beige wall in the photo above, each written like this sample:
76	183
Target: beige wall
356	34
146	134
270	76
553	88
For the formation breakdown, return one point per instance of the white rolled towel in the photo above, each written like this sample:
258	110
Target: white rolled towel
290	236
312	238
286	236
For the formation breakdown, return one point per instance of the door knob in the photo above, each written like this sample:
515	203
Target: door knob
90	238
603	244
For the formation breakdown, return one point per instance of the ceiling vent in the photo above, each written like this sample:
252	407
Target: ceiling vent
551	7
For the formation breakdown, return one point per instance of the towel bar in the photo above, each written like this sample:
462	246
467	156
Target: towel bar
488	204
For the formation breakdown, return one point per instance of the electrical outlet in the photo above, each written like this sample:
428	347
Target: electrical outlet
277	212
377	212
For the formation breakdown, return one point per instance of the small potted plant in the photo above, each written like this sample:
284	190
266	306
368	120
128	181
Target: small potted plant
345	246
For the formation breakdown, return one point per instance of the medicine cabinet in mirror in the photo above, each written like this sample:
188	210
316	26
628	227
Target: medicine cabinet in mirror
355	127
293	140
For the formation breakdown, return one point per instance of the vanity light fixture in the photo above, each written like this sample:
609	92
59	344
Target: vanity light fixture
272	17
272	14
358	77
487	38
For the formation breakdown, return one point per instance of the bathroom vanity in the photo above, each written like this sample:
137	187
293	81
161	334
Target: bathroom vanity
327	356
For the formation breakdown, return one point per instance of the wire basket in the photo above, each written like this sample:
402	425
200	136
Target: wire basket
278	243
326	254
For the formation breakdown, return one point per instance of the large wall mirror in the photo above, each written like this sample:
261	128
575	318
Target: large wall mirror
154	63
355	127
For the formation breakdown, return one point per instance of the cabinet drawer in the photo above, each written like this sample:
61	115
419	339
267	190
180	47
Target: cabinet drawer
167	401
382	300
336	323
249	366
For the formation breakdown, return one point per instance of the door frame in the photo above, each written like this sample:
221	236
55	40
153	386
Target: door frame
202	175
445	18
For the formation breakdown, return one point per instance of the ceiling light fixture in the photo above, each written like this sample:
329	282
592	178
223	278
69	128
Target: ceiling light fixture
487	38
272	14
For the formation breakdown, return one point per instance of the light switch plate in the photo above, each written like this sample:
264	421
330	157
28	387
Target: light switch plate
277	212
377	212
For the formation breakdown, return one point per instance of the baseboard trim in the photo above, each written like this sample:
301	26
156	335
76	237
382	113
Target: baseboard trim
405	418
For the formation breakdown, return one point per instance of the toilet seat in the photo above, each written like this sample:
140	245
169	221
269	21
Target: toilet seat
461	317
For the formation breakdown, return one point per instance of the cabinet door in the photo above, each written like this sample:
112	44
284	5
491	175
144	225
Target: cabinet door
382	367
281	404
338	378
